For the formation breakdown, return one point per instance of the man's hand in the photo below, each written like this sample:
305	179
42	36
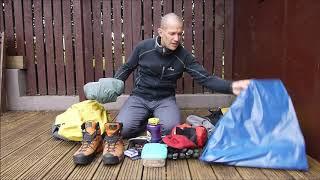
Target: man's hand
238	86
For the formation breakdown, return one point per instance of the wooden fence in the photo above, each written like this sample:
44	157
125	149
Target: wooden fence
67	43
3	100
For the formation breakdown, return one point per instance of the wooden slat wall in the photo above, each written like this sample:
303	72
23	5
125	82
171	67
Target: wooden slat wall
58	46
157	13
87	38
1	17
8	21
3	97
127	30
68	48
68	43
18	22
218	40
49	47
167	6
178	10
97	39
107	38
137	35
198	37
117	34
147	19
79	46
29	57
136	22
208	37
188	36
39	48
228	38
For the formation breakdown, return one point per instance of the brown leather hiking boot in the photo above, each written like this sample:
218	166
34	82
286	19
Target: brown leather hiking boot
91	143
113	144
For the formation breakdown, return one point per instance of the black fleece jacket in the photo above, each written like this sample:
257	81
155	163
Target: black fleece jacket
160	68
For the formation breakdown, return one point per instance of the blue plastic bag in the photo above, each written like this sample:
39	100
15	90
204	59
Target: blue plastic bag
259	130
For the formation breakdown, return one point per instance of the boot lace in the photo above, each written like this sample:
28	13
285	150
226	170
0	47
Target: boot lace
87	140
111	143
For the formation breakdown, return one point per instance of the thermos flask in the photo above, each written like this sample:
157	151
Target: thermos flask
154	129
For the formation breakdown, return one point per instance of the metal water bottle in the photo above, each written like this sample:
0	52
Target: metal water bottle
154	129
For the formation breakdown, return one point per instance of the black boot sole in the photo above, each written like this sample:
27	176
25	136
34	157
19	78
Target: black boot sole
111	160
83	159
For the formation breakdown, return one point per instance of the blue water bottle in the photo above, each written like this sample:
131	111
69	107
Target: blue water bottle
154	129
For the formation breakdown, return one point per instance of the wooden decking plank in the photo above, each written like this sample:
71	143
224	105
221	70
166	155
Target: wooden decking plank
10	156
18	142
17	138
16	119
132	169
200	170
178	169
12	120
40	156
9	114
28	127
87	171
314	167
225	172
251	173
12	113
45	122
10	148
276	174
45	164
154	173
28	161
64	167
299	175
16	134
107	172
315	164
312	173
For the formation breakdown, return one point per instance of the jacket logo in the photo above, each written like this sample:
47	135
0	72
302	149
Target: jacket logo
170	69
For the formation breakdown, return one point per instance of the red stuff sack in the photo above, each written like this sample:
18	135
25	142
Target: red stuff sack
178	141
197	135
202	136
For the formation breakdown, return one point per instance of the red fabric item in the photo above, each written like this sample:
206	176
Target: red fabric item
178	141
201	136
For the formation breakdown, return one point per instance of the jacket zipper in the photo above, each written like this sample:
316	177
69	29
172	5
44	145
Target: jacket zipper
162	72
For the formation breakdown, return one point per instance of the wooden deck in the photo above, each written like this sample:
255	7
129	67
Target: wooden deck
28	151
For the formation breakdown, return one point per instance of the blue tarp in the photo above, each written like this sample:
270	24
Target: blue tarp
260	129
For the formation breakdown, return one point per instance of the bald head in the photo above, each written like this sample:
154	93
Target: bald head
170	19
170	31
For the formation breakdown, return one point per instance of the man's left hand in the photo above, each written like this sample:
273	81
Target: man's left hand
238	86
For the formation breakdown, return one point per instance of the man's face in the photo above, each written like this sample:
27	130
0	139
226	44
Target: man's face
171	34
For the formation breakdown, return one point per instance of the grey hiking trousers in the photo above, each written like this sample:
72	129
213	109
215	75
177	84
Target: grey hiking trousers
135	112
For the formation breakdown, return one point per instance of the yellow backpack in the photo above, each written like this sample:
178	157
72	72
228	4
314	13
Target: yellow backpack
67	126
